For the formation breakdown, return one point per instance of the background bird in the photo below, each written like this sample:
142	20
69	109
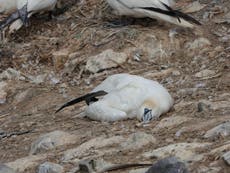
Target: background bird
157	9
126	96
24	10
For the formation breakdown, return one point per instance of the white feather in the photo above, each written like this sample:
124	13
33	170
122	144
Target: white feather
135	8
128	96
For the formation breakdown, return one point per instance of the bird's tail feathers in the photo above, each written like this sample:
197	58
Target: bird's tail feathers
172	16
91	97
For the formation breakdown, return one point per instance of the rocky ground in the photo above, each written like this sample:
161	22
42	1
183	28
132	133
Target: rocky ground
53	61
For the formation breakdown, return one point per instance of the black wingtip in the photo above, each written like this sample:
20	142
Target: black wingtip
180	14
86	98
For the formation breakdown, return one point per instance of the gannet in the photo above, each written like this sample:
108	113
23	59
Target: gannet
125	96
157	9
25	9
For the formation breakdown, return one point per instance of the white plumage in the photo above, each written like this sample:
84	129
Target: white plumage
129	96
158	9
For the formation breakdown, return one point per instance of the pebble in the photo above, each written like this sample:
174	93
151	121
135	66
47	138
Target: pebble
220	130
49	167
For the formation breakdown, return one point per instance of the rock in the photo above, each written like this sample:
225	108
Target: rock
187	91
220	150
205	73
49	167
194	7
85	148
11	74
3	92
153	47
216	105
101	164
26	95
184	151
226	158
220	130
38	79
198	44
140	170
224	19
204	169
51	140
168	165
60	57
6	169
171	122
28	162
92	166
137	140
105	60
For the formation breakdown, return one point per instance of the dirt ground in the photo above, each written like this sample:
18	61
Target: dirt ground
82	30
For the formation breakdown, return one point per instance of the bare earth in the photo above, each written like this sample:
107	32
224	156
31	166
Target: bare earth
82	32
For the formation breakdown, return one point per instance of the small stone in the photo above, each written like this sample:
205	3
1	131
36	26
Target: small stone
176	73
105	60
11	74
3	92
49	167
86	148
194	7
187	91
24	163
226	158
140	170
138	140
60	57
171	122
38	79
209	169
220	130
6	169
218	105
51	140
168	165
184	151
198	44
205	73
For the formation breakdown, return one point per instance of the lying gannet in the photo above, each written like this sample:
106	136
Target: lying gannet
25	9
157	9
125	96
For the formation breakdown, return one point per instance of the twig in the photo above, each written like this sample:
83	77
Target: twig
10	134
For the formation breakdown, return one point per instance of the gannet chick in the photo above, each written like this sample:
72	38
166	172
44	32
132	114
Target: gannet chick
157	9
126	96
25	9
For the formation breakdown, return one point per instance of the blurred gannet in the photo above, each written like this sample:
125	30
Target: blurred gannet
157	9
125	96
24	10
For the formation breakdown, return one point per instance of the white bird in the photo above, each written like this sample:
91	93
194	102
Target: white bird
125	96
158	9
24	10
